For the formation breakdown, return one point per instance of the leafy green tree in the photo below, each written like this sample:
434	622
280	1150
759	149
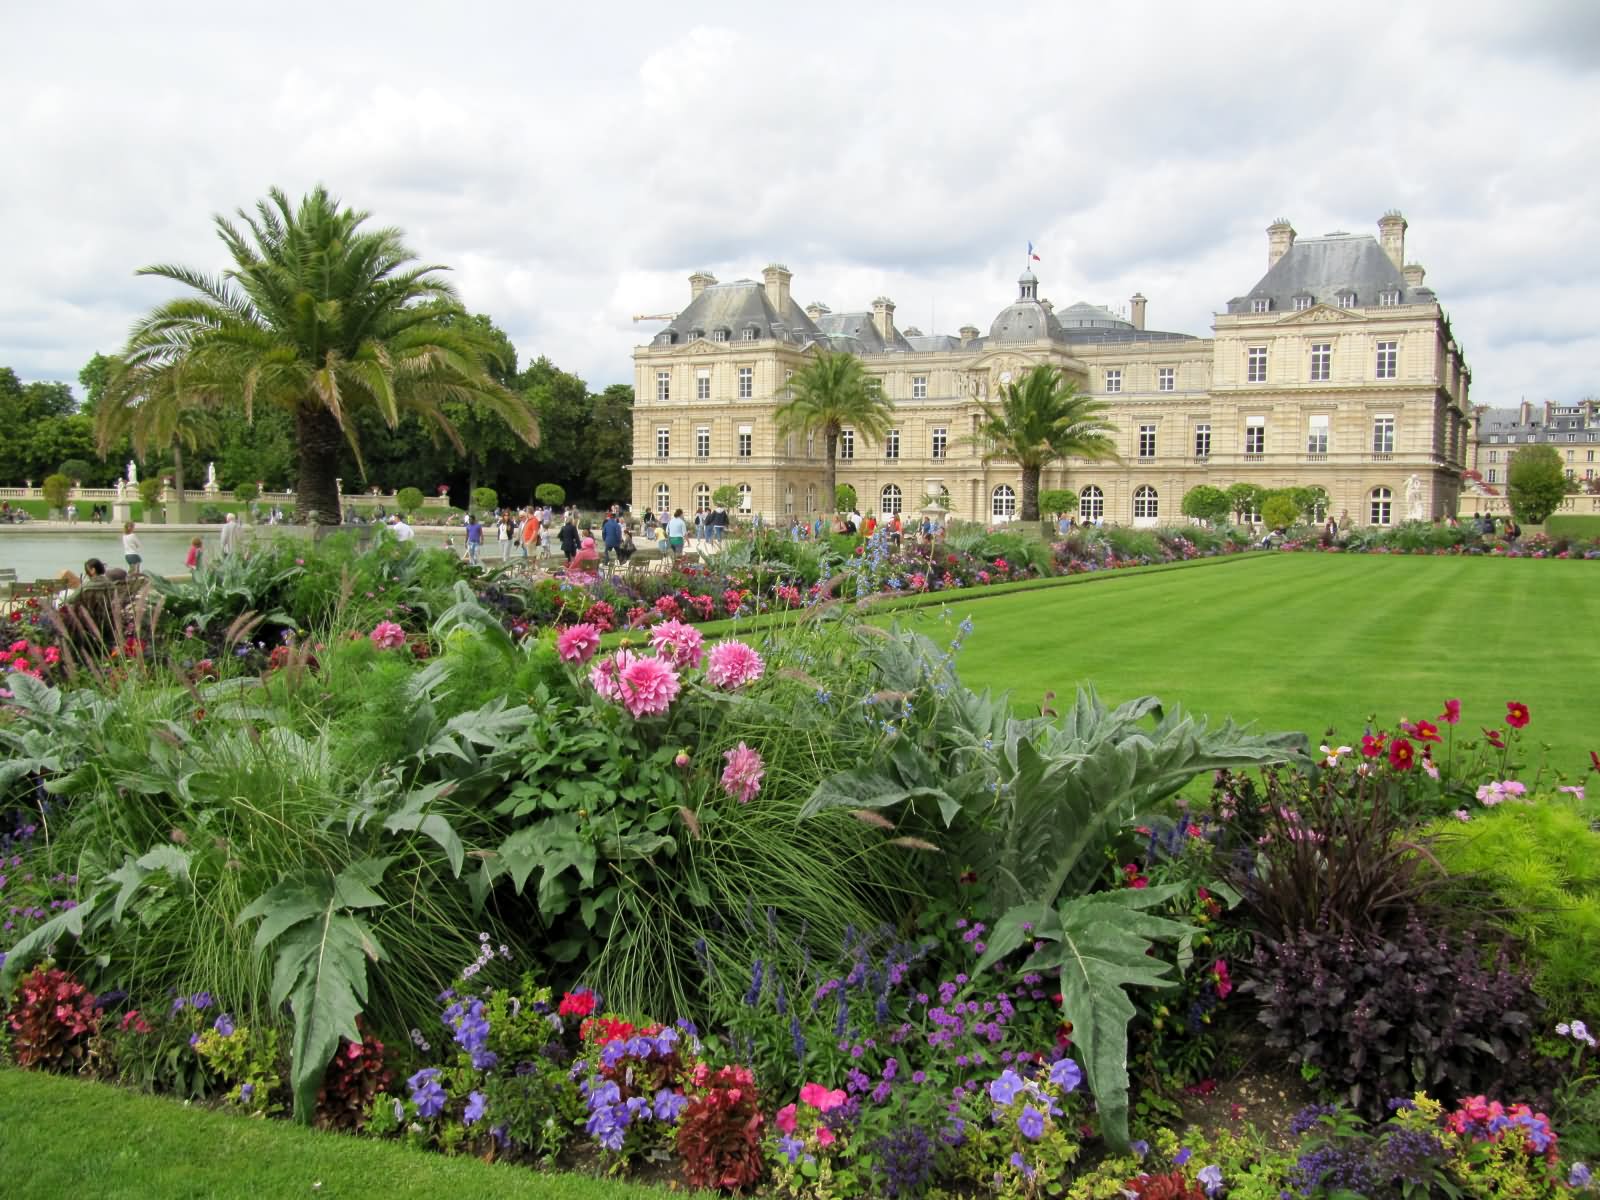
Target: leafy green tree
844	498
1207	503
485	500
1244	499
1311	501
552	494
610	442
150	493
1058	500
326	320
55	489
830	393
160	407
408	499
1280	510
1535	484
1040	419
245	493
77	469
727	496
95	375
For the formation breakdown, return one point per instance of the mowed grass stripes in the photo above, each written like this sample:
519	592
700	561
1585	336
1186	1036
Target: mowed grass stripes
1309	641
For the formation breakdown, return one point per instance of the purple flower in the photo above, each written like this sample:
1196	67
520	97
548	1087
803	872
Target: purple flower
476	1107
247	1092
1005	1089
1030	1123
1021	1164
1066	1075
1579	1176
200	1001
1210	1178
1140	1148
791	1148
427	1093
224	1025
669	1104
1182	1156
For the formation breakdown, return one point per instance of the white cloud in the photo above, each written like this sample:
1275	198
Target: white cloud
574	167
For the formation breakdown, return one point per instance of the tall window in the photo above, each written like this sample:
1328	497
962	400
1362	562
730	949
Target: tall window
663	386
941	439
744	441
1388	299
811	497
1317	434
1492	473
889	500
702	441
747	382
1147	441
847	443
663	498
1321	361
919	387
788	391
1255	435
891	444
1113	381
1260	305
1382	508
811	443
1255	370
702	497
749	335
1091	504
1146	505
745	497
788	500
721	335
1003	504
702	385
1347	299
663	441
1301	303
1388	360
1383	434
1166	379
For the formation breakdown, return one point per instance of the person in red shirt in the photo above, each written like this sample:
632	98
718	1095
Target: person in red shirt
530	534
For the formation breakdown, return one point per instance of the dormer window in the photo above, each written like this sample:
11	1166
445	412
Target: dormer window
722	335
1301	303
696	334
1347	299
1388	299
1260	305
750	333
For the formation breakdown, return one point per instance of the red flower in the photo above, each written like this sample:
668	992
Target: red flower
1401	754
1494	737
1425	731
576	1004
1452	712
1594	758
1516	714
1372	745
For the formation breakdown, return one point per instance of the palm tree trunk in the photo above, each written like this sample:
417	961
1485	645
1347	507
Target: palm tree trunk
177	470
318	438
830	470
1030	493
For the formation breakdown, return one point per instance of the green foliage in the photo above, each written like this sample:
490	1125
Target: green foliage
1244	499
244	493
552	494
1279	510
321	966
246	1062
408	499
833	392
77	469
1041	419
1572	525
844	498
150	488
485	500
56	488
727	496
1535	868
1059	500
1536	483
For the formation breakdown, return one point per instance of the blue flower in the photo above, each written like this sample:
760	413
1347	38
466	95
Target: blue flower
1030	1123
1021	1164
1066	1075
1182	1156
426	1092
1579	1176
1210	1178
669	1104
223	1024
1140	1148
200	1001
791	1148
1004	1090
476	1107
247	1092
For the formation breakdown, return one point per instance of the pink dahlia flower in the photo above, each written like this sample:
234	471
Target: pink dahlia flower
678	643
741	779
604	674
577	643
646	686
732	665
386	635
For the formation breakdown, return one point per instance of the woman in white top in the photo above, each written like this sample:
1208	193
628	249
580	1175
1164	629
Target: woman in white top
132	550
504	534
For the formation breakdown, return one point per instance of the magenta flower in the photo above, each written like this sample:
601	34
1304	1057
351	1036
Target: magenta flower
646	686
741	779
577	643
603	675
732	665
386	635
678	643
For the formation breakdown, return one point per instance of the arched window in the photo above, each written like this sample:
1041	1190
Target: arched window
1091	504
663	498
1382	510
811	498
889	500
744	497
788	499
1146	506
1003	503
702	497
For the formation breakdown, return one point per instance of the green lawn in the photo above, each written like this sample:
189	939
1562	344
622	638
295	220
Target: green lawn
65	1137
1305	641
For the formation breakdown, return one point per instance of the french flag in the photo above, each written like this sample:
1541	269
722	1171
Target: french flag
1031	254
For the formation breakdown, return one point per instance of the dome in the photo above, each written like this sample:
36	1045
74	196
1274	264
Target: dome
1024	321
1084	315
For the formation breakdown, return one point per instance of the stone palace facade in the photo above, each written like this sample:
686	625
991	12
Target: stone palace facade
1337	369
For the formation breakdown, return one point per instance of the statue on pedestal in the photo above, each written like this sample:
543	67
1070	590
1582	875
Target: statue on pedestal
122	490
133	473
211	477
1414	506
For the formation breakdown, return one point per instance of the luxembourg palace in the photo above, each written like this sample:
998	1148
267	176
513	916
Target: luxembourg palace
1337	369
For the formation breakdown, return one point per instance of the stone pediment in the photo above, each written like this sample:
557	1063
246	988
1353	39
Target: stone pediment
1318	314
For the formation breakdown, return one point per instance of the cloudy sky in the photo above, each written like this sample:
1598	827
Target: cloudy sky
575	165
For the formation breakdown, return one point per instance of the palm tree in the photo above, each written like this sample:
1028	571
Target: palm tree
1042	418
831	392
157	407
326	320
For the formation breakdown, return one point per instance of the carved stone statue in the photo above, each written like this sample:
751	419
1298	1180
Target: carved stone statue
122	489
1414	506
211	477
133	473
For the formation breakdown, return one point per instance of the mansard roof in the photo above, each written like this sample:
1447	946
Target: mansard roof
1327	269
858	333
734	307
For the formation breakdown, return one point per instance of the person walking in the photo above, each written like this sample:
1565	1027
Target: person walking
611	535
229	537
570	539
192	559
530	534
502	528
132	549
474	539
677	530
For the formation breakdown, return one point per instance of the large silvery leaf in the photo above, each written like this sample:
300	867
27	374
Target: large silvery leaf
321	968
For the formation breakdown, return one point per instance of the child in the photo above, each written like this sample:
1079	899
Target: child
132	550
192	560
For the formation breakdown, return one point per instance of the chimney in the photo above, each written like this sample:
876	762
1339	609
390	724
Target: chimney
699	282
816	310
1280	236
1525	414
777	277
883	317
1392	233
1414	275
969	334
1138	302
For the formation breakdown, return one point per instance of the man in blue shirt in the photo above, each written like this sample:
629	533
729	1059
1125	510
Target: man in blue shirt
611	535
474	538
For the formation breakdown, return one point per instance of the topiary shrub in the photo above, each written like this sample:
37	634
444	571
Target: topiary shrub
485	500
844	498
56	488
1375	1017
552	494
52	1020
244	493
408	499
1059	500
150	493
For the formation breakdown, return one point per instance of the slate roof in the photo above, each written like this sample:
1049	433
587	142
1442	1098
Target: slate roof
1327	268
737	306
858	333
